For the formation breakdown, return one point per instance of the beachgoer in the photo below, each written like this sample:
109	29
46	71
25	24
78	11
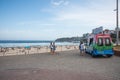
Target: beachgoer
51	48
82	48
54	47
79	46
27	48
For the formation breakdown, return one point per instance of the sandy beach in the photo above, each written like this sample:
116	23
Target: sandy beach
33	50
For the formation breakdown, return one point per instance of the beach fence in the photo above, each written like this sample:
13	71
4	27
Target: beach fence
7	51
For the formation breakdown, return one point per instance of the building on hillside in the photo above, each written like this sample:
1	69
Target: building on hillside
85	35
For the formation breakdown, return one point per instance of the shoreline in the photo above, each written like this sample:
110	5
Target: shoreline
9	45
9	51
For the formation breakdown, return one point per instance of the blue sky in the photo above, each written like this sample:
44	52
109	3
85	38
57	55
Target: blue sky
51	19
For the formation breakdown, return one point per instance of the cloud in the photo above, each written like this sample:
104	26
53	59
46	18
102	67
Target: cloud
84	15
59	2
35	23
68	16
91	15
66	2
28	34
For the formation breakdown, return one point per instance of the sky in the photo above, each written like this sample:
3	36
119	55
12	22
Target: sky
51	19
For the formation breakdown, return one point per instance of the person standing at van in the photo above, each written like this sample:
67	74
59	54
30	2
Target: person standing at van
82	48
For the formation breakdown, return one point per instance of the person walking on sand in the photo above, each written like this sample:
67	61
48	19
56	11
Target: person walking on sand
54	48
51	48
82	48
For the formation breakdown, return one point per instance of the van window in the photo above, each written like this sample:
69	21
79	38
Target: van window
107	42
91	41
100	42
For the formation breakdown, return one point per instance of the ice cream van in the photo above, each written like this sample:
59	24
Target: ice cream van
99	44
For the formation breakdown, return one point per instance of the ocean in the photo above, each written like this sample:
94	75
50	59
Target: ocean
23	43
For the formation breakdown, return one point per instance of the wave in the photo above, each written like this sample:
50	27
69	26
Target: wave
25	41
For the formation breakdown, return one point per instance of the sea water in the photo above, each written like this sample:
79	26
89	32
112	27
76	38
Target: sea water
23	43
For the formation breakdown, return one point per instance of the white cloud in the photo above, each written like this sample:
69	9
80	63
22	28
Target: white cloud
35	23
59	2
75	19
66	2
68	16
28	34
91	15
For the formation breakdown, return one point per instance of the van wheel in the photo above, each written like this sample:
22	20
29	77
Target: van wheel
93	56
109	55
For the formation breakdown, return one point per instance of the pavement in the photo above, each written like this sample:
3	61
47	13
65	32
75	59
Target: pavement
66	65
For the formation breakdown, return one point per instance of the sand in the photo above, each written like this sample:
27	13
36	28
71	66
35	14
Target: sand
33	50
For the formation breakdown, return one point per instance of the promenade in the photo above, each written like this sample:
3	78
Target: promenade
65	65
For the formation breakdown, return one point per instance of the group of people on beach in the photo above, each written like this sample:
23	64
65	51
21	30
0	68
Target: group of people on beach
52	47
81	48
